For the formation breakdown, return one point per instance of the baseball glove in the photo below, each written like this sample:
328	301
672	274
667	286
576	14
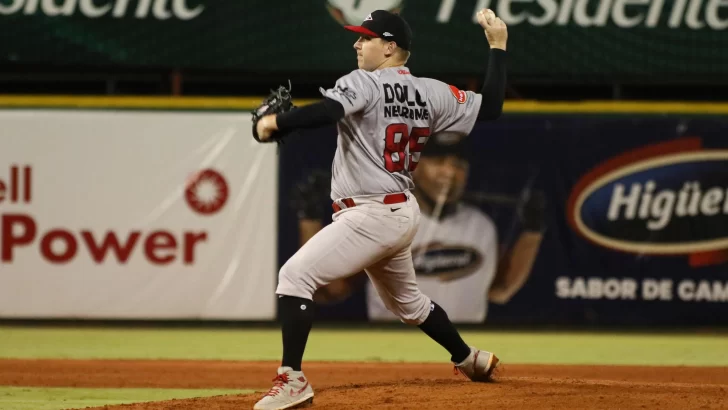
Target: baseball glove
278	101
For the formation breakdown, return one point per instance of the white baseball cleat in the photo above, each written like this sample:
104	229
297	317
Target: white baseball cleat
290	389
479	366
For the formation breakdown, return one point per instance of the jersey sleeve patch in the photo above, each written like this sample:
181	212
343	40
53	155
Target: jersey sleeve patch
354	91
345	92
460	96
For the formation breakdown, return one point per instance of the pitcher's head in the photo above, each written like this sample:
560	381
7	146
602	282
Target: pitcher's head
384	40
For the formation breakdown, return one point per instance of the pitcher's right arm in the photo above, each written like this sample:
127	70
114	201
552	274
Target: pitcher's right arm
456	110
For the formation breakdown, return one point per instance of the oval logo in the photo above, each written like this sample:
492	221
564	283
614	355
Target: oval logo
667	199
446	262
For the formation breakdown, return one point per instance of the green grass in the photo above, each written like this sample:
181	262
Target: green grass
57	398
358	345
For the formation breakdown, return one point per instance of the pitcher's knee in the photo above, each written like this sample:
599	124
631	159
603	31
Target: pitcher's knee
293	281
414	311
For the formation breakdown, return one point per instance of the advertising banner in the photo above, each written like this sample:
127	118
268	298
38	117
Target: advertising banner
650	39
550	219
137	215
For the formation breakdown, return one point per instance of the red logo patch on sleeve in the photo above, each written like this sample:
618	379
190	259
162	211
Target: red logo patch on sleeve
460	95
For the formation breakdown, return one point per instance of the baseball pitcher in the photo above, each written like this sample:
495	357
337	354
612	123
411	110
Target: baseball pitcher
384	116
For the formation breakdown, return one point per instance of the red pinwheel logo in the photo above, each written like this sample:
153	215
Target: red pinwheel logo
207	192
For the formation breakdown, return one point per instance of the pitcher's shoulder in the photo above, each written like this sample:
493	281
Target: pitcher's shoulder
359	76
359	73
431	82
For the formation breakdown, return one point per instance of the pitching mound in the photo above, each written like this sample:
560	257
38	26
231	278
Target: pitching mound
394	386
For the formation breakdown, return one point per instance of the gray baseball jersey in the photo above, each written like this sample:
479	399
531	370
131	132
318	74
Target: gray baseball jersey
389	116
456	261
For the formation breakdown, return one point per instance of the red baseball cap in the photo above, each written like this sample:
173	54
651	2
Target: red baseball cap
385	25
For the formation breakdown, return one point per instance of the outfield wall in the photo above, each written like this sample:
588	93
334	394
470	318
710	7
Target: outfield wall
135	214
156	208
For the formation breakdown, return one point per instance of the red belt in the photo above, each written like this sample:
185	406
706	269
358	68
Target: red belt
388	199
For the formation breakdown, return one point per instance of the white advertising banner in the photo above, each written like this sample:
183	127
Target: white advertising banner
136	215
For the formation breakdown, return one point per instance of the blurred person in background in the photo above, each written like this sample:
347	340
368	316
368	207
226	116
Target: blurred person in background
456	252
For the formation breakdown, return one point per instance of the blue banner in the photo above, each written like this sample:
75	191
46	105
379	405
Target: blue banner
589	219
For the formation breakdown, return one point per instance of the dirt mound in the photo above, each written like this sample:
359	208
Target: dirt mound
392	385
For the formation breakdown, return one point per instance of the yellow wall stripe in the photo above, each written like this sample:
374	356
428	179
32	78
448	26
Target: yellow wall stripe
244	103
249	103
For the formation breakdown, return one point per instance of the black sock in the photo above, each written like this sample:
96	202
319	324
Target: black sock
441	330
296	316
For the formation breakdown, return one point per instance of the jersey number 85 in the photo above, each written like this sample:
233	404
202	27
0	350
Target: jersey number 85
397	136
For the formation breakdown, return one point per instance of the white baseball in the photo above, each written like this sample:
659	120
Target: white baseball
489	16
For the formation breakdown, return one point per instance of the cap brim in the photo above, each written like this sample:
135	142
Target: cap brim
362	30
